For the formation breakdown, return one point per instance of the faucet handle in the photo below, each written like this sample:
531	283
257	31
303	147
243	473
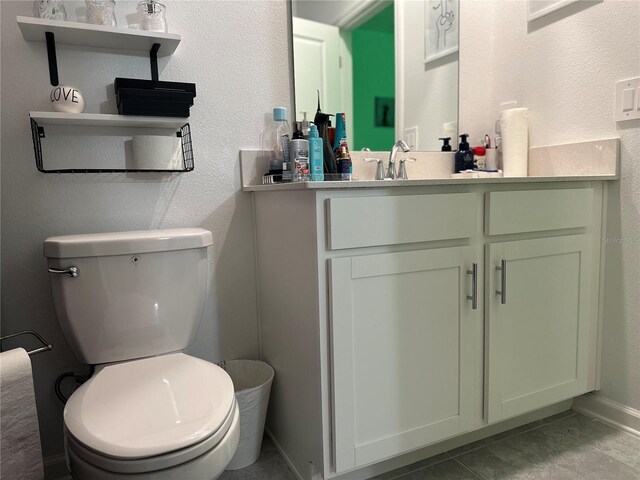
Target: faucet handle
402	168
379	169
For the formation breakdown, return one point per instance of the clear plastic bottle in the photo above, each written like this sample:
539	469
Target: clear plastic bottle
275	140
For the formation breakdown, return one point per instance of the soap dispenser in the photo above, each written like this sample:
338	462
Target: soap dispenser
464	155
445	144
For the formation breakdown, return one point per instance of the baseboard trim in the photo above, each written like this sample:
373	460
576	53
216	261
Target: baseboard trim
55	467
284	455
608	411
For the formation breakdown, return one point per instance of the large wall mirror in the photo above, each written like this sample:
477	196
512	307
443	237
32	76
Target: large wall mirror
390	65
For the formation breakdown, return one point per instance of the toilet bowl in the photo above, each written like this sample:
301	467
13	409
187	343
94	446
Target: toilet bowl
171	416
129	303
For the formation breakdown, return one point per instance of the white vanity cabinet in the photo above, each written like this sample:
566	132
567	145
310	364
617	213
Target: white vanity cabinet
540	310
404	334
403	351
538	324
367	312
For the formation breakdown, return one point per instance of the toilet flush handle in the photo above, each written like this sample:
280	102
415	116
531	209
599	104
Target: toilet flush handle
71	271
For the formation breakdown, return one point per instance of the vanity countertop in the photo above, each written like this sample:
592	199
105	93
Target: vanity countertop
420	182
576	162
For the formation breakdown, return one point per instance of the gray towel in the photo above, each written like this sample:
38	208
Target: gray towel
20	454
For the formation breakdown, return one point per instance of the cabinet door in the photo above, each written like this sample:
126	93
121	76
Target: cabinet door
403	352
538	322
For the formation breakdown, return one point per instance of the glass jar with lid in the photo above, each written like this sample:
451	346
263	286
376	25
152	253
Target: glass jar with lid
152	16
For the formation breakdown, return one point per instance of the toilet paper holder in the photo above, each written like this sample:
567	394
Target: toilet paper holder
46	346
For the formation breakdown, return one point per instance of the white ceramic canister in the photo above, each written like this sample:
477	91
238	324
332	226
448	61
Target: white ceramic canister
68	99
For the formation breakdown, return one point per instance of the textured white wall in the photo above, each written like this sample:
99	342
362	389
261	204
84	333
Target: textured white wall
237	54
563	67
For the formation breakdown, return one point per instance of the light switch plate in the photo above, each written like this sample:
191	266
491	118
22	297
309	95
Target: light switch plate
411	137
627	99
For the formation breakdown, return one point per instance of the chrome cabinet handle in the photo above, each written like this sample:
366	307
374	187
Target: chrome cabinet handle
503	280
474	286
70	272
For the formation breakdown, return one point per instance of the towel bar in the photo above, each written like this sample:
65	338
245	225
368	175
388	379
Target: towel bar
45	348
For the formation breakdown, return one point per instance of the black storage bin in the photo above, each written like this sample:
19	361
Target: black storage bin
155	98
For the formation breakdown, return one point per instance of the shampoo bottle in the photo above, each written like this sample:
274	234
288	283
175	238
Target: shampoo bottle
341	134
299	155
464	155
316	157
341	148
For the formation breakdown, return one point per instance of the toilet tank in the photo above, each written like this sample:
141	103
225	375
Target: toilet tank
136	294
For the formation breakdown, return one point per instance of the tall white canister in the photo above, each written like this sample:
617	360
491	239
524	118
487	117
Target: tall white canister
514	128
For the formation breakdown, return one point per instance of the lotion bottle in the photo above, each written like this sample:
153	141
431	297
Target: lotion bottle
316	157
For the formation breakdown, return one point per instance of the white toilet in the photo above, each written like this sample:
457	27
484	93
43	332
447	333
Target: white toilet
129	303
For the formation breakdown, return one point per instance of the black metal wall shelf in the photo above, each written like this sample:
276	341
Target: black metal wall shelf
127	40
39	120
75	33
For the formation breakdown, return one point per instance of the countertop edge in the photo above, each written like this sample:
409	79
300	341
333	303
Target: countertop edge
421	182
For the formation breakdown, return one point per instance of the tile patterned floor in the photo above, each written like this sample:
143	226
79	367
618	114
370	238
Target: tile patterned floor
568	446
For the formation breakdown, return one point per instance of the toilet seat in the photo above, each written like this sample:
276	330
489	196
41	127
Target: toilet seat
158	462
169	407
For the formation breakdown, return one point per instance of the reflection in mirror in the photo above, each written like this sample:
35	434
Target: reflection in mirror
390	66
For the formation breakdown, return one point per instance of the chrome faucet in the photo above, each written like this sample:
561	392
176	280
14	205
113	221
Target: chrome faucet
391	168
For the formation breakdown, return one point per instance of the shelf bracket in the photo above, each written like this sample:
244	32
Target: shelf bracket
53	61
153	56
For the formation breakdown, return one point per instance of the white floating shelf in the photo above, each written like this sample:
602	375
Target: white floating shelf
106	120
85	34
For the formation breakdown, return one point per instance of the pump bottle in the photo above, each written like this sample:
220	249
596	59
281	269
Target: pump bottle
316	156
445	144
464	155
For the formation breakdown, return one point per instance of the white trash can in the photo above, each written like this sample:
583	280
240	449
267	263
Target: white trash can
252	383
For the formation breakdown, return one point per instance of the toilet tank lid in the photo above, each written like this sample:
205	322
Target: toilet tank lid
123	243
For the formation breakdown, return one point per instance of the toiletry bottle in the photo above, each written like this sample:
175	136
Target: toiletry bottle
331	134
341	147
305	125
464	156
299	155
316	160
275	140
445	144
479	157
341	133
344	163
323	122
491	160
